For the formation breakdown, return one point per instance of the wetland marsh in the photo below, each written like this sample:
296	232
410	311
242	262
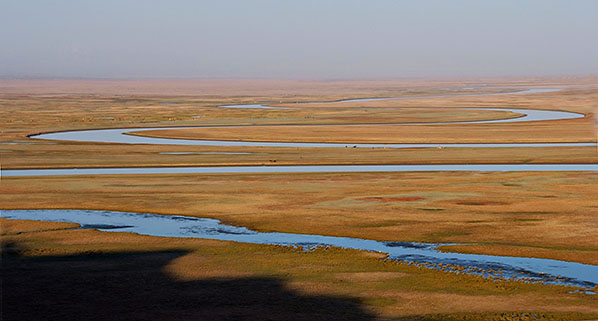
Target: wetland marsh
530	193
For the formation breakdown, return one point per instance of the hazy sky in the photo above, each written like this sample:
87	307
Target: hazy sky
297	39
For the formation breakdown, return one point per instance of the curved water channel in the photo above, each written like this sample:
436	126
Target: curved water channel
531	269
119	135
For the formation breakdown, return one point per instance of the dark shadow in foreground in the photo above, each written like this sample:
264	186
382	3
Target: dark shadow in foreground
133	286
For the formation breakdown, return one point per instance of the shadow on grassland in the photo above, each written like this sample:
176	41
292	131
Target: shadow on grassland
133	286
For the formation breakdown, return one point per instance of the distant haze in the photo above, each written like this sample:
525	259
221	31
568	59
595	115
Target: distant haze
297	39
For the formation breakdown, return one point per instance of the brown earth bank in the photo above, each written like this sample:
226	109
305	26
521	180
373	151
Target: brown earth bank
75	155
539	213
79	274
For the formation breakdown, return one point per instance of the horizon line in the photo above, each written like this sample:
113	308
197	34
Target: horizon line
175	78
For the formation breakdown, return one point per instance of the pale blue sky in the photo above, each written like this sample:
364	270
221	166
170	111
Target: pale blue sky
297	39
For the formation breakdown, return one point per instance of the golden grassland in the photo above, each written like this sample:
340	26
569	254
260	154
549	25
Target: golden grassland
351	285
30	114
23	115
574	130
30	107
69	155
548	215
541	214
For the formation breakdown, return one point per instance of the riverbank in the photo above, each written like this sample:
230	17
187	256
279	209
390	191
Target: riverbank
337	284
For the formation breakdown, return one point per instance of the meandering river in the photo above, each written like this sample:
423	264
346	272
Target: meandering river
118	135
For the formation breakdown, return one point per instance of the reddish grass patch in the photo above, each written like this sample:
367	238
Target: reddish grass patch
391	199
481	203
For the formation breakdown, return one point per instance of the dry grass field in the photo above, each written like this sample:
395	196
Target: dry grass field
533	214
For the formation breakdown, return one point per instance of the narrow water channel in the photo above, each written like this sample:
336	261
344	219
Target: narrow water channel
307	169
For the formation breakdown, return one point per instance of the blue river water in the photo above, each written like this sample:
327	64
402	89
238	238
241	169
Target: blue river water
530	269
